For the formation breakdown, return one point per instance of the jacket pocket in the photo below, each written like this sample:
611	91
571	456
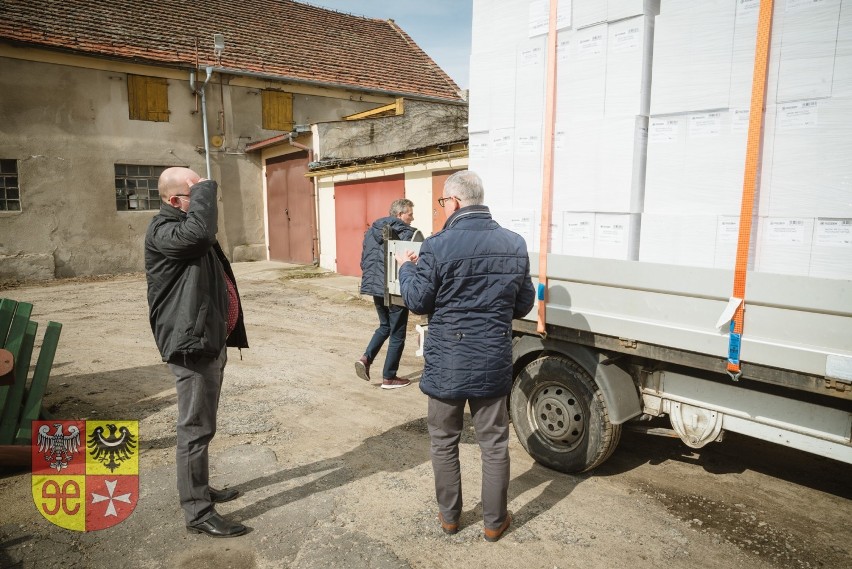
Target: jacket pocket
201	319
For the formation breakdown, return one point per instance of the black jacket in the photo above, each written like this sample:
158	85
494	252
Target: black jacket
372	253
472	278
185	269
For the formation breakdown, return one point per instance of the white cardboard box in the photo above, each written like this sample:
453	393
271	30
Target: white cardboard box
617	236
628	67
784	245
687	240
578	233
808	42
811	165
831	253
693	46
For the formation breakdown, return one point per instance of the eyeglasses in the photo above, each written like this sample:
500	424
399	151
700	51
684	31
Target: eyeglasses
442	201
181	195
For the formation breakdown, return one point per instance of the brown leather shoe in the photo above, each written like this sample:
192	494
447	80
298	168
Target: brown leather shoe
495	534
449	529
362	368
395	382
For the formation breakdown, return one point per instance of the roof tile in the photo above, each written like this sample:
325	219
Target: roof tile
282	38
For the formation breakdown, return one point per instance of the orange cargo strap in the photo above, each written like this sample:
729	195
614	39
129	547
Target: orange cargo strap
755	128
547	169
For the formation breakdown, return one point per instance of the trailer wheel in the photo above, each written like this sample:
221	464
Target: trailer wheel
560	416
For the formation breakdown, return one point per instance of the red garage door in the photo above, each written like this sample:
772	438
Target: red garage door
356	206
290	205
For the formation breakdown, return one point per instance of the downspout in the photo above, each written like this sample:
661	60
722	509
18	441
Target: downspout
203	113
204	121
316	196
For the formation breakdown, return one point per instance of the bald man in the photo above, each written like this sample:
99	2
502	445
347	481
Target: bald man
195	313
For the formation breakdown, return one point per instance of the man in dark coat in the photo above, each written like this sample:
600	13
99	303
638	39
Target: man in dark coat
392	319
195	313
472	278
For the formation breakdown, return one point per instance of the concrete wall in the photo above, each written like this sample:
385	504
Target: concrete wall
66	123
422	124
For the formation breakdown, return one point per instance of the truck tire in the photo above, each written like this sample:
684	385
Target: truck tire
560	416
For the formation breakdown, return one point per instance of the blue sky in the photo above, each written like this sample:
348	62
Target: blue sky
440	27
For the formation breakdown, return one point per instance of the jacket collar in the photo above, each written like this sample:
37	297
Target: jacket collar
478	211
171	211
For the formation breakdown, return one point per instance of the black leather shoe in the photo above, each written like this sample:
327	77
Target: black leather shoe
226	495
217	526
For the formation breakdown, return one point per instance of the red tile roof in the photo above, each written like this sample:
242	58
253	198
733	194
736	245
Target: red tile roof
279	38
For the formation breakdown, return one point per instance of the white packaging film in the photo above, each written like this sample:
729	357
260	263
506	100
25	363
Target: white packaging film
674	152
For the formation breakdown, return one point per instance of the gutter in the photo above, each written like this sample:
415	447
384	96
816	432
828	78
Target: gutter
344	86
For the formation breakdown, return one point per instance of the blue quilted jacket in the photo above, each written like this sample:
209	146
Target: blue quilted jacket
372	253
472	278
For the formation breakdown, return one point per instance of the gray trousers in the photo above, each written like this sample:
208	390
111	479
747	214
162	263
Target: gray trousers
198	383
491	421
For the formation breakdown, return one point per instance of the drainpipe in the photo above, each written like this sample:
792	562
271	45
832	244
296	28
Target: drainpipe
204	121
203	113
316	196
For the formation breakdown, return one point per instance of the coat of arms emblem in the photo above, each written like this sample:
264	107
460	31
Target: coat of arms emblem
85	474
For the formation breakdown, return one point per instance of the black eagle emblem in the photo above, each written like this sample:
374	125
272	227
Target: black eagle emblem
112	450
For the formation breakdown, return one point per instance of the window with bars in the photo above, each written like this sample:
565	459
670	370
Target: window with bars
10	191
136	187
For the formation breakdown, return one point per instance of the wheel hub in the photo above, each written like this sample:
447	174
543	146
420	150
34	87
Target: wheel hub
557	415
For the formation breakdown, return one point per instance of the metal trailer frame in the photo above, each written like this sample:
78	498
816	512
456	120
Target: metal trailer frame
656	325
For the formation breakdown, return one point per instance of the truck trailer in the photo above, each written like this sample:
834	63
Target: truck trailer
691	242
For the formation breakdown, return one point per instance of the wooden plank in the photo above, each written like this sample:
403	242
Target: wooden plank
14	341
7	310
12	411
38	385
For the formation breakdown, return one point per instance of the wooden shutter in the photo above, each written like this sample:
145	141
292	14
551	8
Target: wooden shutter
148	98
277	110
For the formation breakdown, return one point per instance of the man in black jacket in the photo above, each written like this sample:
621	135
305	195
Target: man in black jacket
195	313
392	319
472	278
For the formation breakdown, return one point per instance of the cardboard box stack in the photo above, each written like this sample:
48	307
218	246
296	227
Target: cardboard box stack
698	129
652	116
604	57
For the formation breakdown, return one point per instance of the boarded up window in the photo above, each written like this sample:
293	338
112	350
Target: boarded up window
277	110
148	98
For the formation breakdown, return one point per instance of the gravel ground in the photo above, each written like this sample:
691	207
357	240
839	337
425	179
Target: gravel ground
335	472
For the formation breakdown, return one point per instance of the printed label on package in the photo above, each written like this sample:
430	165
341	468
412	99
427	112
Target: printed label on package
747	10
527	144
786	230
704	125
739	120
627	40
662	131
728	229
801	114
590	45
800	5
834	232
501	141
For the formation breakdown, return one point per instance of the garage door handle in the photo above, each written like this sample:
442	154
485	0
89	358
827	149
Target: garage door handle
287	213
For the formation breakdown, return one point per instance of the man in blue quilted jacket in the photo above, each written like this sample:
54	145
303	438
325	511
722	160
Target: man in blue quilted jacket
393	320
472	278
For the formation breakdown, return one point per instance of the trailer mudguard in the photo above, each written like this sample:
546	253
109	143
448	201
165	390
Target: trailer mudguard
619	391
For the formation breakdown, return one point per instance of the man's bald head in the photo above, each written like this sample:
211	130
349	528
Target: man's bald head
176	181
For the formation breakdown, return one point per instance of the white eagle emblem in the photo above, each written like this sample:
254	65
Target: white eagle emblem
59	447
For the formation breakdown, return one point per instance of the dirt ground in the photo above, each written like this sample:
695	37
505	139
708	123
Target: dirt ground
335	472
